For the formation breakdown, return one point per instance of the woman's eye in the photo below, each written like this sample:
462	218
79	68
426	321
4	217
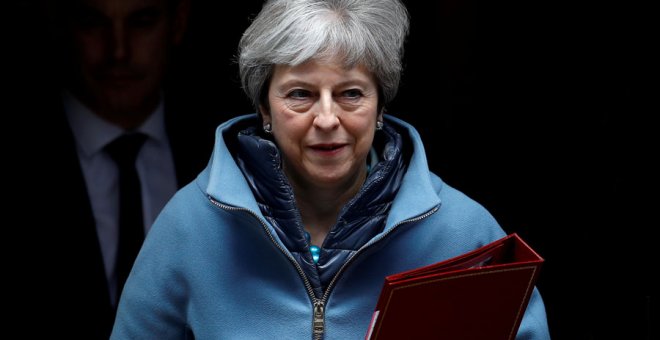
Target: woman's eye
352	94
299	100
298	94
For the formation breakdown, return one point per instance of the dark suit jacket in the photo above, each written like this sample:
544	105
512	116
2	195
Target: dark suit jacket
61	269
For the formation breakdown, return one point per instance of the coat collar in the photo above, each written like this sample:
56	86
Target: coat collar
224	182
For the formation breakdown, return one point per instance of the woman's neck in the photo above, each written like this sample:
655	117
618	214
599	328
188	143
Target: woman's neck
320	206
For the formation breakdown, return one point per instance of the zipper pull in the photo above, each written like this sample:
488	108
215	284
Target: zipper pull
319	318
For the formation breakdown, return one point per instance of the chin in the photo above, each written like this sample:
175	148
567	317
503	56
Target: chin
330	178
129	98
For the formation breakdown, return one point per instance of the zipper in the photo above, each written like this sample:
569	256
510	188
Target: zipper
318	333
318	320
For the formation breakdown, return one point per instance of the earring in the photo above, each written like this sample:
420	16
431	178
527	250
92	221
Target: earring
379	125
268	128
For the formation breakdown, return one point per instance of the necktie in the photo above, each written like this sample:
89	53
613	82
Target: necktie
123	151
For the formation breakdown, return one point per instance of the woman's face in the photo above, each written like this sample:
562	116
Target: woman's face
323	119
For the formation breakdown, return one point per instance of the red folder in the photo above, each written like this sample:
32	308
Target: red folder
481	294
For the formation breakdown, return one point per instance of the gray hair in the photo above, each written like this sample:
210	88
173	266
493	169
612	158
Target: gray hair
291	32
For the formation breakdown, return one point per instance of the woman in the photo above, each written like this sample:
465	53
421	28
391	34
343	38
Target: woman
307	206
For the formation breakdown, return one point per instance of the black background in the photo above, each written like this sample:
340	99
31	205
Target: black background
539	110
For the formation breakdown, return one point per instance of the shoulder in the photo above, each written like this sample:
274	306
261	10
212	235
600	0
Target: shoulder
463	207
462	216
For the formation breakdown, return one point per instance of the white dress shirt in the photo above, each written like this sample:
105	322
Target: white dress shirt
154	164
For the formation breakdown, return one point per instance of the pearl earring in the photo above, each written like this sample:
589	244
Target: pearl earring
379	125
268	128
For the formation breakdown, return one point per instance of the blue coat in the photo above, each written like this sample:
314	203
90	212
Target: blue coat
213	265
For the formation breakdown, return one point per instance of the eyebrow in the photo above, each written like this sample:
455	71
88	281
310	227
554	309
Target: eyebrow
299	82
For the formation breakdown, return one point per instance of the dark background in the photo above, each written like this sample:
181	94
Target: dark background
540	111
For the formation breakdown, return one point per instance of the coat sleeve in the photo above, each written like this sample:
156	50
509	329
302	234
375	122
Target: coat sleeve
534	325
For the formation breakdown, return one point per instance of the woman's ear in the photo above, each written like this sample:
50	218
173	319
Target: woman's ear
265	114
379	117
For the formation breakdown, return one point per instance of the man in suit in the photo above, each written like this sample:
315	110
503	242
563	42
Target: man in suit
116	54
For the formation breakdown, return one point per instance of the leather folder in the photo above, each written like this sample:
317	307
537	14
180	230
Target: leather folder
481	294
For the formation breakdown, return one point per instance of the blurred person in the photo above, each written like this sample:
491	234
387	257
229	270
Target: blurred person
112	59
